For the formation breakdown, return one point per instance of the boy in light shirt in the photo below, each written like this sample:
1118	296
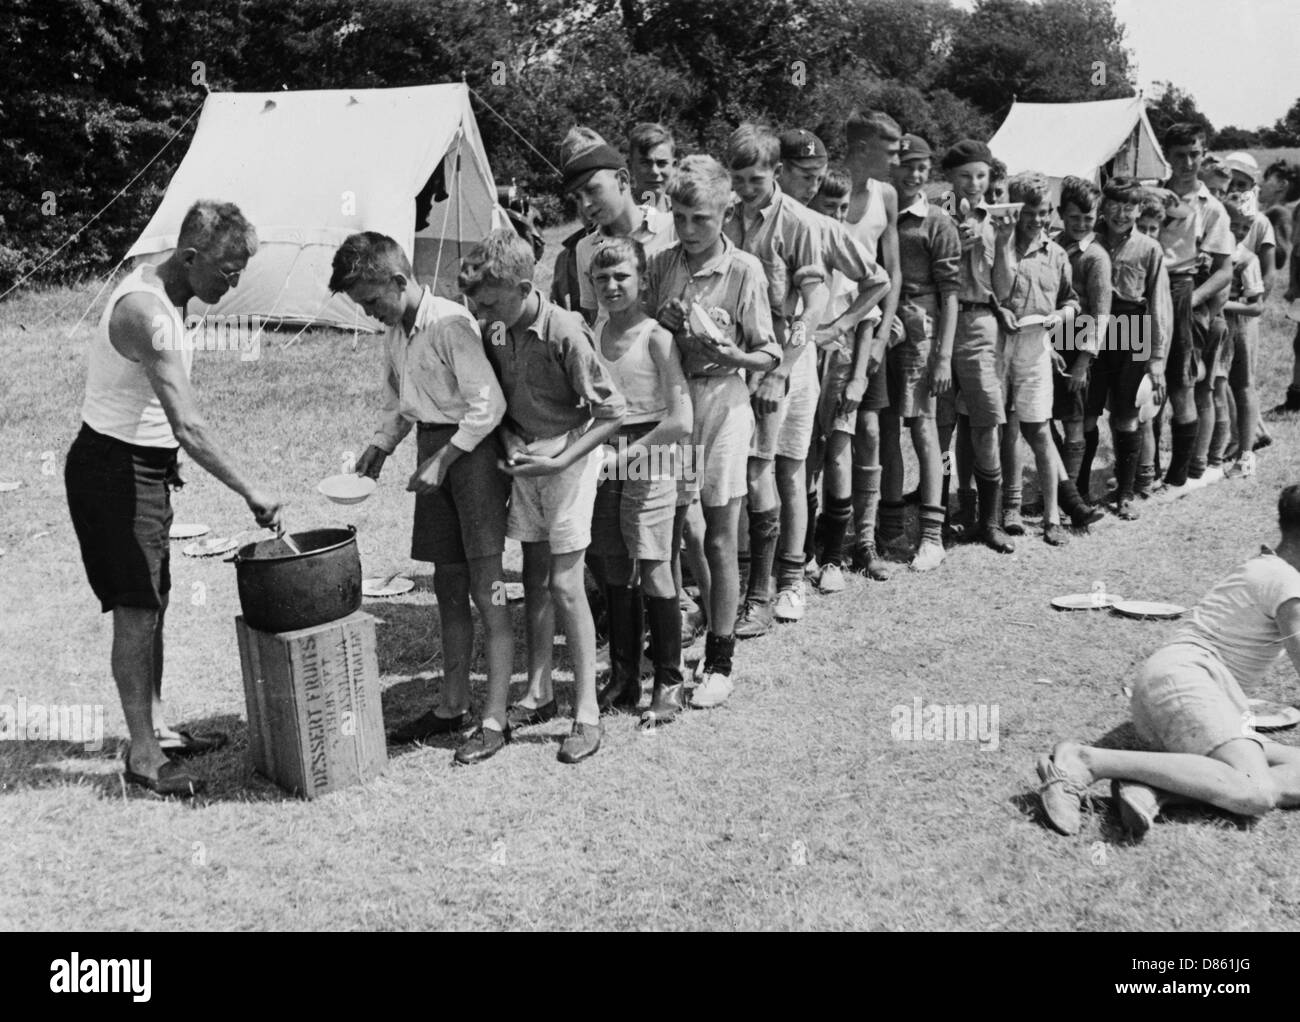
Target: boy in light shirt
436	377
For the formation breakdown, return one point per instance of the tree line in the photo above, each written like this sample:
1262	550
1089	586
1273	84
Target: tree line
92	89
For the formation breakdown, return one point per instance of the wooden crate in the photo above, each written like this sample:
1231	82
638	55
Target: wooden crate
315	722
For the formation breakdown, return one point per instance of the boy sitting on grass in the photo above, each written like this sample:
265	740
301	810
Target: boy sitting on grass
1031	277
1190	707
704	274
561	407
437	376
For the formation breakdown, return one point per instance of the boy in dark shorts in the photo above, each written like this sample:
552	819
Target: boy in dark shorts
437	378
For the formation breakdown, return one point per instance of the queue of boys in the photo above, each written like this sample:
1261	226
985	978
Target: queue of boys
724	367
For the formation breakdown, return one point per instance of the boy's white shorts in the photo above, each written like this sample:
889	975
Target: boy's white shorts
786	432
1025	367
724	426
556	509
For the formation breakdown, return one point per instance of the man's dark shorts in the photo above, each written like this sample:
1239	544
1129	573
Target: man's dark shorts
118	494
1196	335
465	518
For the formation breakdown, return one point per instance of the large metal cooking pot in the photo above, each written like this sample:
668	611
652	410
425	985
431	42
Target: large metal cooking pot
281	591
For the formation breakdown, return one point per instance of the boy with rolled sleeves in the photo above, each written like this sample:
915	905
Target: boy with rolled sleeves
1135	342
561	406
786	238
981	414
704	274
436	377
1031	277
1195	228
919	368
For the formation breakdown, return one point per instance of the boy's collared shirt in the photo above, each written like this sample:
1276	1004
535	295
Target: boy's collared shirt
1138	277
929	249
977	261
732	282
1042	282
1261	233
654	229
1207	230
787	242
552	380
437	372
1090	274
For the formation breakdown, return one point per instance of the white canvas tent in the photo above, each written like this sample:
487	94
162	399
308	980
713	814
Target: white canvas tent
1060	139
310	168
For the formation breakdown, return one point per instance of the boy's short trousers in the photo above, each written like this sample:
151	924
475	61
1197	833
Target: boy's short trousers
1186	700
1113	383
721	435
1068	405
465	518
1026	370
120	500
1190	345
786	432
556	509
835	378
975	373
907	364
1214	339
1243	337
633	515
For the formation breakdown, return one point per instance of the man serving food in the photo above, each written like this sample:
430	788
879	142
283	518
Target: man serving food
139	410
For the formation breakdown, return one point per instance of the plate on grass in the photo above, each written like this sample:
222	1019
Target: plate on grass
384	587
211	547
347	488
188	530
1149	610
9	485
1271	716
1086	601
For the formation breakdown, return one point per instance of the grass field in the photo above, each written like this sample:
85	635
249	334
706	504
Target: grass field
793	806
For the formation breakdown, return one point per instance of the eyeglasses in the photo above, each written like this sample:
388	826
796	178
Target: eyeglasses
230	278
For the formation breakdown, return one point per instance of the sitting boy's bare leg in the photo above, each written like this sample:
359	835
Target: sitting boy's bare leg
1236	776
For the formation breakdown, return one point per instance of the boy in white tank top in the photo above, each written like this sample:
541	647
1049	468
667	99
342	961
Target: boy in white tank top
632	523
139	409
